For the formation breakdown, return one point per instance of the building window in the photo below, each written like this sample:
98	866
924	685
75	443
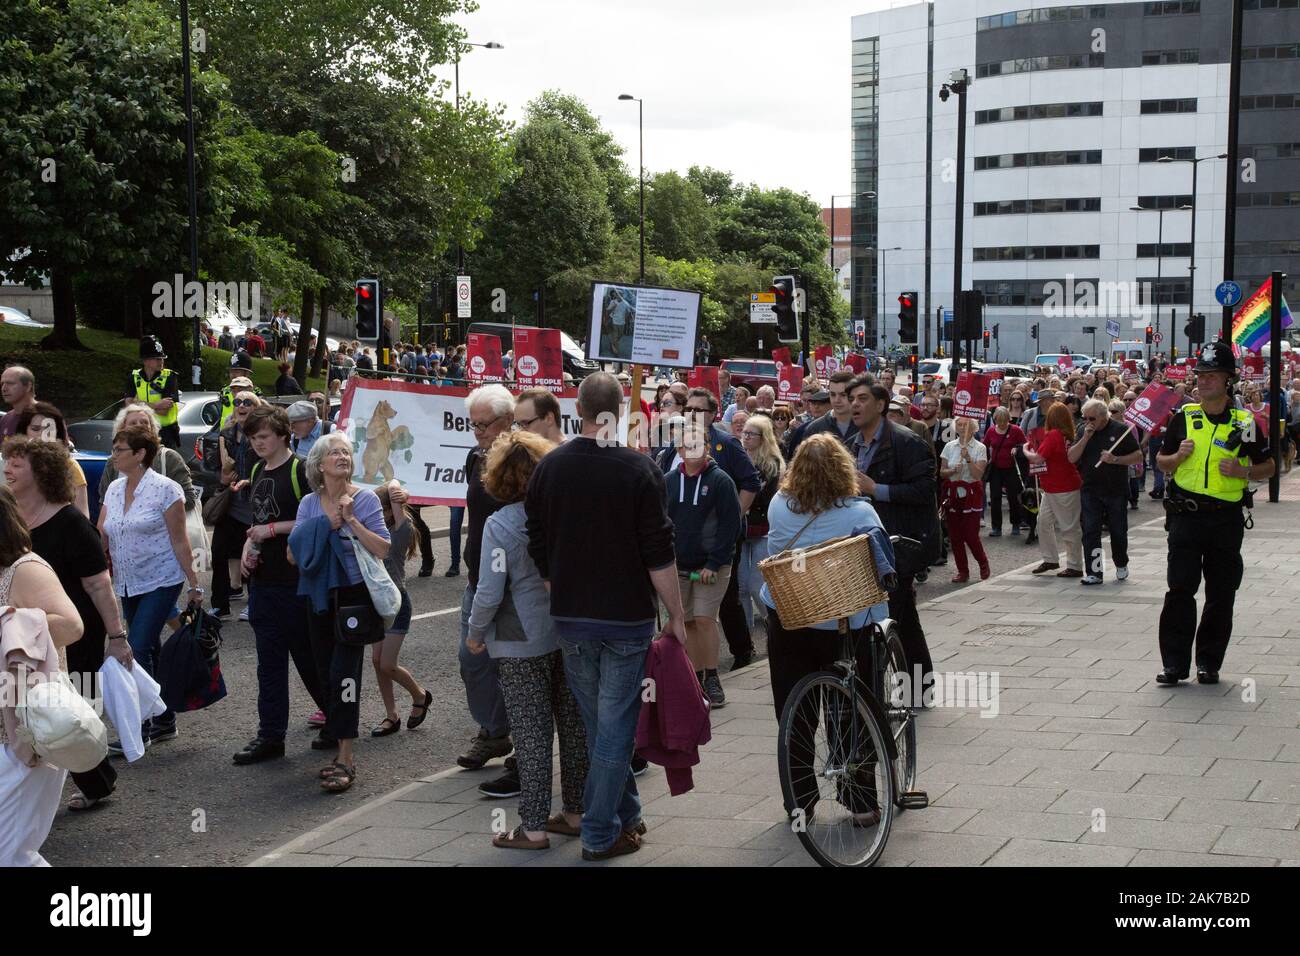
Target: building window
862	279
1147	250
1271	5
1167	8
1060	61
1037	111
1271	101
1268	199
1034	253
1020	207
1272	151
1288	51
1271	248
1019	18
1168	291
1164	202
1168	57
1152	154
1169	106
1024	292
1079	157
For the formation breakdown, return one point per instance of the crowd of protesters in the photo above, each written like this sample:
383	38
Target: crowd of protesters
673	528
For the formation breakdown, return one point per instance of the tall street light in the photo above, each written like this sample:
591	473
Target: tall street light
190	186
1160	239
460	250
959	83
884	283
863	195
640	130
1191	268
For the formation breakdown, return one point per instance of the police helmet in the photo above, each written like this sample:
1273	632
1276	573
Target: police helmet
1217	357
150	347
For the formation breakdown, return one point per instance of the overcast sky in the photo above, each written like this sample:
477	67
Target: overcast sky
756	87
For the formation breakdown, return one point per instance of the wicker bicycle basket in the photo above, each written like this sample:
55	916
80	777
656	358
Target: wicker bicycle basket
833	579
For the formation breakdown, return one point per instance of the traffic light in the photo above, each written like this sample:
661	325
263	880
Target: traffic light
970	314
1033	331
369	310
995	331
1195	328
907	304
860	336
787	321
1150	334
987	336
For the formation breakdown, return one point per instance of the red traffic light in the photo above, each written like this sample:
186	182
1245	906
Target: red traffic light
905	300
363	291
1150	330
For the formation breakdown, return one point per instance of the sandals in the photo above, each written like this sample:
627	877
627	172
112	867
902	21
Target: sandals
390	725
339	779
412	722
557	824
81	802
517	839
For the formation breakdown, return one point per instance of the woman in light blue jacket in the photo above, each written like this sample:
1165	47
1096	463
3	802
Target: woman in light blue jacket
511	621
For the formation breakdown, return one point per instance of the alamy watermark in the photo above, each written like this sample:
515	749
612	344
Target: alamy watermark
973	689
180	299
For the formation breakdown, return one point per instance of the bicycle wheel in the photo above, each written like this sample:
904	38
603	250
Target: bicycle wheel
895	681
828	756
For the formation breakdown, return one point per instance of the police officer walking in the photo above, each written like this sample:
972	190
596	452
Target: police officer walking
1212	451
157	387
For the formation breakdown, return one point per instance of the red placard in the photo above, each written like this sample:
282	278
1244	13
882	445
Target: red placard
539	358
706	376
1152	407
1253	368
1176	373
781	357
789	382
995	387
1065	361
824	361
1131	365
483	358
858	363
971	397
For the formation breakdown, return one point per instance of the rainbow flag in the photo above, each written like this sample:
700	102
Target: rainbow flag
1250	325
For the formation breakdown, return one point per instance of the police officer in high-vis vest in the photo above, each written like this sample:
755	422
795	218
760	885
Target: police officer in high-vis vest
241	366
159	388
1212	450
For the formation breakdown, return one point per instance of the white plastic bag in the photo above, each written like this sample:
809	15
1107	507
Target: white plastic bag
61	726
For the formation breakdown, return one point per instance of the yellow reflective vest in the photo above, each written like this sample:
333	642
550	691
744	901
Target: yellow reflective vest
150	391
1199	474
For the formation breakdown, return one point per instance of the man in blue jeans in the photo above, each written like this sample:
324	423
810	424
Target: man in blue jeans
599	533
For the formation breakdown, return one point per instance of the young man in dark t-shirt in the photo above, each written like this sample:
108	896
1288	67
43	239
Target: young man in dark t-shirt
277	613
1103	466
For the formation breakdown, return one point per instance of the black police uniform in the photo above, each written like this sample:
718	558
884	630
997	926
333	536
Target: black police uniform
166	384
1206	541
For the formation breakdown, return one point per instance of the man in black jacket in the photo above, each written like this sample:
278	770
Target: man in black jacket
599	533
896	471
839	421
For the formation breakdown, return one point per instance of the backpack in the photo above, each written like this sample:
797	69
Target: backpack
294	464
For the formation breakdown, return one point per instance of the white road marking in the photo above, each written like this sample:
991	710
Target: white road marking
421	617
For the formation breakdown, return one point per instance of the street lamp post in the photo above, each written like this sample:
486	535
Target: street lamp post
460	249
959	83
640	132
1160	238
864	195
1191	268
197	370
884	285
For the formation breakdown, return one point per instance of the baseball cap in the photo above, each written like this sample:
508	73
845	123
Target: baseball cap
241	382
900	404
821	395
302	411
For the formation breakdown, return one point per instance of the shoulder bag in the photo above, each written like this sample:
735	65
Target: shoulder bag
386	596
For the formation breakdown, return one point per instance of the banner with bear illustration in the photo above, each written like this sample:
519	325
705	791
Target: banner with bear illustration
421	435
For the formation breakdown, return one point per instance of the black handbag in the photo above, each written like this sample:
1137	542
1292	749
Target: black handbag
218	506
358	623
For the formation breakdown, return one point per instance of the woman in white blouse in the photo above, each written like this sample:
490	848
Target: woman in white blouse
962	465
142	524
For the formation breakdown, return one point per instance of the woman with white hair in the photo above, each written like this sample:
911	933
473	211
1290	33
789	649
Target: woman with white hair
332	522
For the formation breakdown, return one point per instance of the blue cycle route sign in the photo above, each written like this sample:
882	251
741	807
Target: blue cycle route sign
1228	293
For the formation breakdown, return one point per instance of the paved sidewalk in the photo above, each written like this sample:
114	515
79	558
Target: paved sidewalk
1088	761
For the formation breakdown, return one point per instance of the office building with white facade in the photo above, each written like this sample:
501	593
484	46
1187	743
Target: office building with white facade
1070	110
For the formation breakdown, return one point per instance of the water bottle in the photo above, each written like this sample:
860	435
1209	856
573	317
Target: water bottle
695	575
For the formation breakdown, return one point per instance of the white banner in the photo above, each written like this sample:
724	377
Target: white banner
643	324
420	435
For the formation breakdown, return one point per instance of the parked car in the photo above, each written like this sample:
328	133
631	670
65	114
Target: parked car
198	412
1072	360
17	317
942	370
575	360
209	454
1010	370
752	373
264	330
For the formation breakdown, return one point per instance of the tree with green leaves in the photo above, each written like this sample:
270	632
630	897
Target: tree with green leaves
680	222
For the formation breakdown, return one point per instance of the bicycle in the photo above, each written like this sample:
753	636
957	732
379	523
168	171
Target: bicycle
841	796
